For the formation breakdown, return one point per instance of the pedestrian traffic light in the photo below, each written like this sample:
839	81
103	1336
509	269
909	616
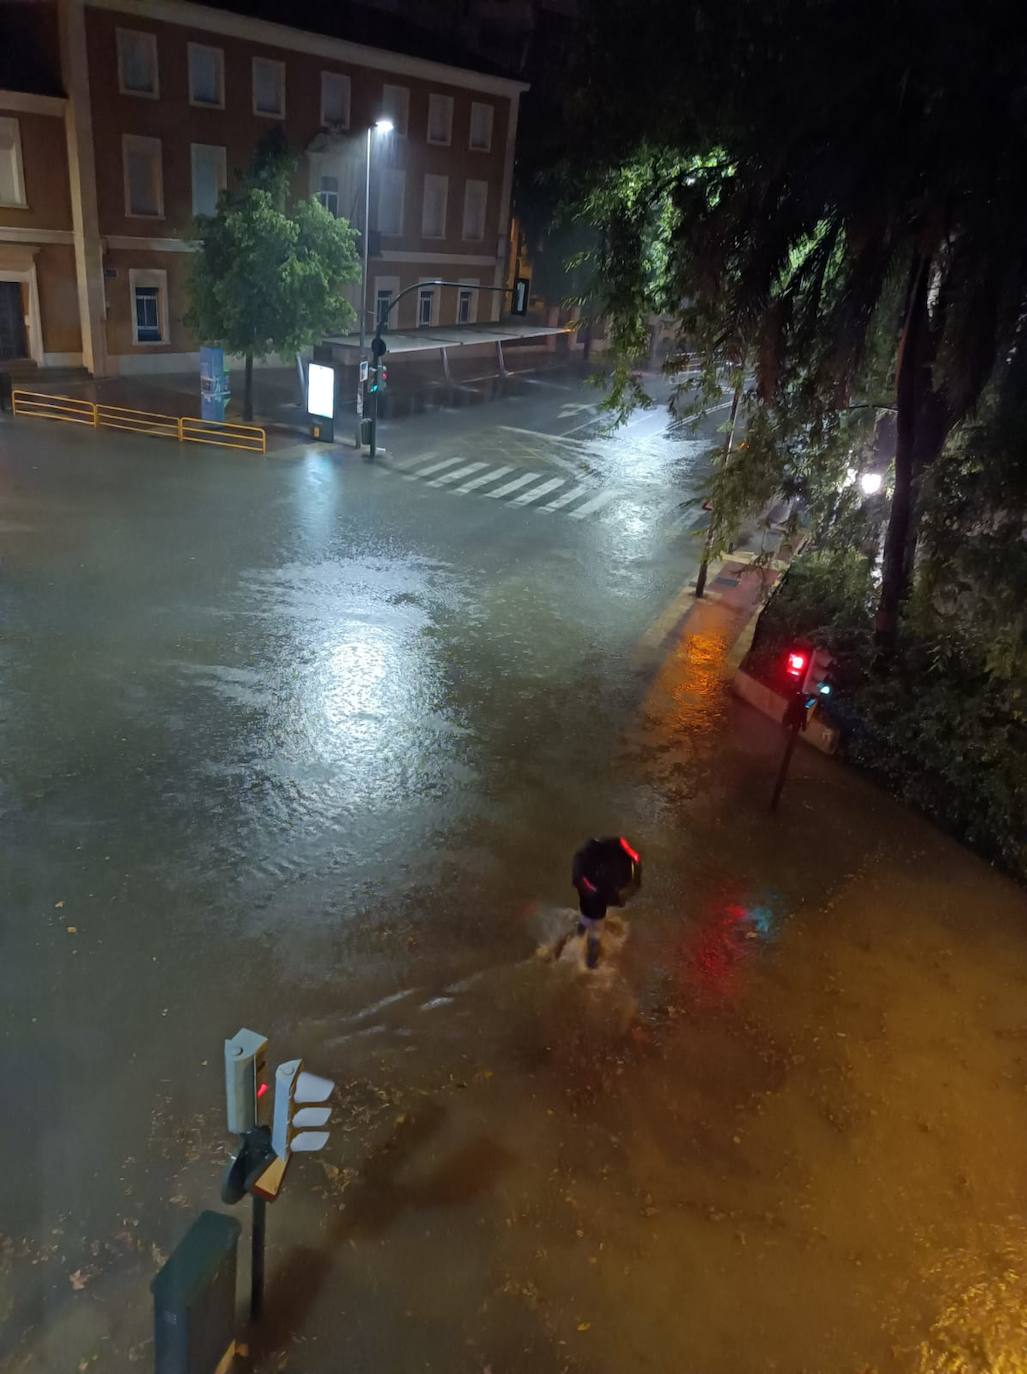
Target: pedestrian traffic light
815	683
299	1107
795	665
246	1084
379	377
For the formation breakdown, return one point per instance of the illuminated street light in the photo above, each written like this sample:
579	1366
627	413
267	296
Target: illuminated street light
871	483
380	126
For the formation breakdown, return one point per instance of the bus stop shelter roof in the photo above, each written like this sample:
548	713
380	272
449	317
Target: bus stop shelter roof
450	336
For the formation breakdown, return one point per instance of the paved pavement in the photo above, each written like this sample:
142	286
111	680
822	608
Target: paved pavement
305	744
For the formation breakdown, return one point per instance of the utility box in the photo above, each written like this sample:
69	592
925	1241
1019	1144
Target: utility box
194	1300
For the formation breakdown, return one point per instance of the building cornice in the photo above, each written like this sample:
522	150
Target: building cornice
271	35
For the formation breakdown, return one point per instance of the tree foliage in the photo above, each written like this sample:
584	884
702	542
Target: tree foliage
268	278
829	191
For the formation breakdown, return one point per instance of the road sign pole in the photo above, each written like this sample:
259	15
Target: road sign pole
794	721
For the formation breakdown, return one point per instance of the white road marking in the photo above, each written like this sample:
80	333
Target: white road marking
536	492
405	464
566	498
416	475
513	486
456	474
484	480
595	504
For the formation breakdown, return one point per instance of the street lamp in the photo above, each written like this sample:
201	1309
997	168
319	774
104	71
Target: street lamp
380	126
871	483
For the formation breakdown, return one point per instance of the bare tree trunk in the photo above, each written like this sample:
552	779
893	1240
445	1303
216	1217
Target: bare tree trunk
704	566
247	391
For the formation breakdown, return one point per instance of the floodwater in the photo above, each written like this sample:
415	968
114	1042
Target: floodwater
306	747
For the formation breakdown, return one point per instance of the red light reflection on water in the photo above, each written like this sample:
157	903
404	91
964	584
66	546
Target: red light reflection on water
715	952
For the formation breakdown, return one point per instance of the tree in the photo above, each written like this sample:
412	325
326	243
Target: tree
269	276
830	186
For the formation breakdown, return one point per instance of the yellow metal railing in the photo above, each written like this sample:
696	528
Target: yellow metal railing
186	429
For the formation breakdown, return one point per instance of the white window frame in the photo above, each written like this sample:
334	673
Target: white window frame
390	284
150	276
475	238
141	139
326	78
448	102
17	166
219	104
267	62
425	284
127	90
390	110
222	168
473	286
400	232
332	176
431	176
491	109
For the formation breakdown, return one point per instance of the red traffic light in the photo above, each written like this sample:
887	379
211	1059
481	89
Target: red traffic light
796	664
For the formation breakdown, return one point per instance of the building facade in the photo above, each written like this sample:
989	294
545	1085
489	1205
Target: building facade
163	103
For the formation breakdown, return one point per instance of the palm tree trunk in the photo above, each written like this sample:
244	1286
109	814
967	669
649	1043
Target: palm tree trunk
247	391
910	385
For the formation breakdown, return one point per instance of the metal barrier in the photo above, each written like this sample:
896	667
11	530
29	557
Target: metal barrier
71	409
97	414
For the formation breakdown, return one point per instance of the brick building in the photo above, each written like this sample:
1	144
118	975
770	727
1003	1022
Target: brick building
152	106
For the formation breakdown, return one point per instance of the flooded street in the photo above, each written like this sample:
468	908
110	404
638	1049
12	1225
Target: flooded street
306	746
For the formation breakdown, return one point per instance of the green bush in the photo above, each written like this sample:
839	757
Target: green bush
938	730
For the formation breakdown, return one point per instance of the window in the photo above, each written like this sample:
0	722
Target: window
149	290
425	306
396	106
210	176
466	313
391	188
137	63
268	88
12	178
440	119
206	76
475	200
335	99
144	181
382	301
433	214
481	126
328	194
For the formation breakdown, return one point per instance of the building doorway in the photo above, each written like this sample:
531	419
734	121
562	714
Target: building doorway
13	338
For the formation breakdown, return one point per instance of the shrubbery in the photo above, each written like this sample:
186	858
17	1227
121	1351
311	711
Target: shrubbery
937	730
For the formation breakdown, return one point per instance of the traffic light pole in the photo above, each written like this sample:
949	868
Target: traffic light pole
794	721
518	291
257	1246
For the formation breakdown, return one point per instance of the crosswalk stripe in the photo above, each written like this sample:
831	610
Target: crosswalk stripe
456	475
565	498
595	504
484	479
405	464
529	496
517	483
418	473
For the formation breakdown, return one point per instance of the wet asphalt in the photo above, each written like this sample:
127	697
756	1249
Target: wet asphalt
305	744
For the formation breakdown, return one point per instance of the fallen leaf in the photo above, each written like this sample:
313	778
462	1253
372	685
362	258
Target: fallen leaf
584	1326
78	1280
58	905
72	930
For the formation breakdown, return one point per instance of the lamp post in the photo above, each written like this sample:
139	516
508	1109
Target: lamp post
380	126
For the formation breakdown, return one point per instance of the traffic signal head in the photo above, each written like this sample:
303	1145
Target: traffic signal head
795	664
246	1083
300	1109
815	683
